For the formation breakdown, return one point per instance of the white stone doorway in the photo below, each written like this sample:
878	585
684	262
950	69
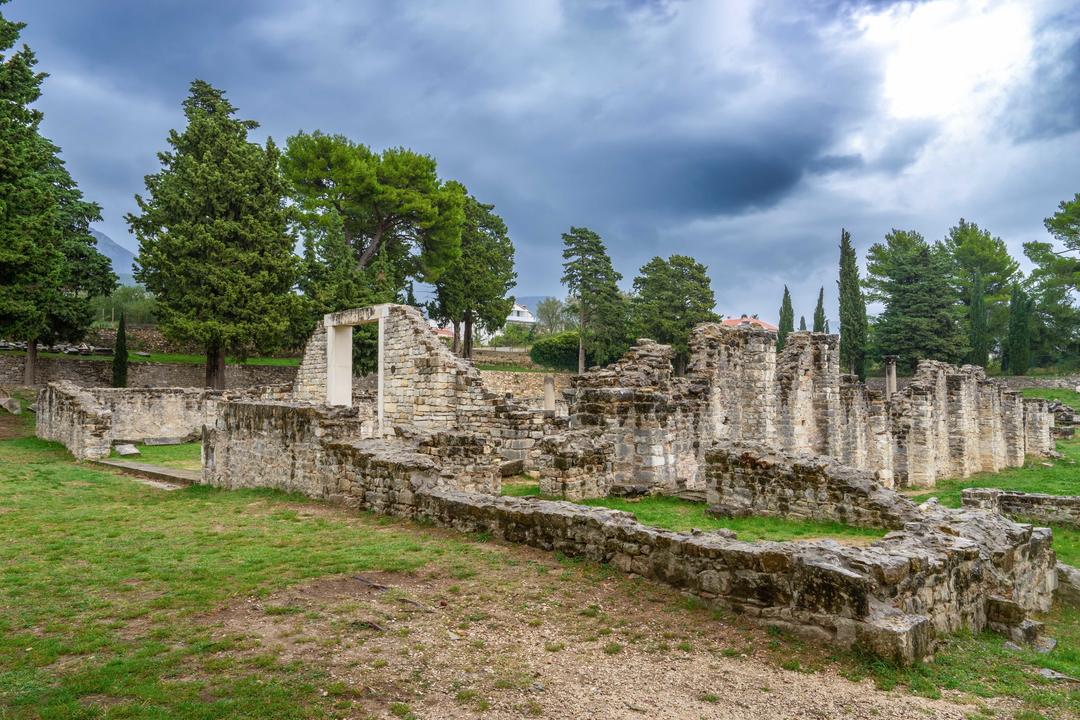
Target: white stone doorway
339	354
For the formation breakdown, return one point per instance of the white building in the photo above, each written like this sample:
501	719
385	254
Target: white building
520	315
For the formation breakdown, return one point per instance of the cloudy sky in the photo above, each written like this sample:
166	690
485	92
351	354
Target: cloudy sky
743	133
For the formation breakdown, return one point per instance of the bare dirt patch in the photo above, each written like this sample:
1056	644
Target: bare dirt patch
522	634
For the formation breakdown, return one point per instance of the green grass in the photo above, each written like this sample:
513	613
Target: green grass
103	582
187	456
521	487
174	358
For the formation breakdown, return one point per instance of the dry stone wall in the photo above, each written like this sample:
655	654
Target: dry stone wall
98	373
89	420
1027	507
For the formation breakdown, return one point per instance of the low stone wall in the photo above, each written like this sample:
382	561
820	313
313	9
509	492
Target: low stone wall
98	373
744	479
526	387
1027	507
89	420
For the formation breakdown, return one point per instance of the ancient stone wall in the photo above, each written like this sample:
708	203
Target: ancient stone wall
526	387
808	394
1026	507
88	420
750	479
98	373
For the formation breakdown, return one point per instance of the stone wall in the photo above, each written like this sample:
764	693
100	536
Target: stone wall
1027	507
526	387
89	420
751	479
947	422
98	373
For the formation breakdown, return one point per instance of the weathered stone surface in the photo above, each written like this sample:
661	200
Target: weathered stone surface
11	405
1031	507
1068	589
126	450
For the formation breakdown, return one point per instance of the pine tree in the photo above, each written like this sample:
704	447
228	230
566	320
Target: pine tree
474	288
49	264
672	297
214	245
1018	345
978	332
819	312
853	323
593	283
120	356
802	323
919	322
787	320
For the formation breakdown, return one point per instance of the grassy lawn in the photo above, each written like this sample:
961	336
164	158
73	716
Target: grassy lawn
166	358
676	514
187	456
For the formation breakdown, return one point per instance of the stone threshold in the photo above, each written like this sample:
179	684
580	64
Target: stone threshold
172	476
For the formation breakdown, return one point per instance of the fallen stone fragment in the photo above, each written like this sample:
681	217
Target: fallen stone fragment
1068	589
1045	645
1056	676
164	441
11	405
126	449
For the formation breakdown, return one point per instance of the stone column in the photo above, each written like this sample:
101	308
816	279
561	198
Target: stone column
890	376
549	393
381	378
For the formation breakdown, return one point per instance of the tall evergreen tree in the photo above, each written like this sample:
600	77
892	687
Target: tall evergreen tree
978	332
120	356
593	283
787	320
819	312
474	288
1018	345
49	264
853	323
214	245
802	323
672	296
911	278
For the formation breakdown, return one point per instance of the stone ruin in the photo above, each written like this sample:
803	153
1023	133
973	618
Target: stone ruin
746	430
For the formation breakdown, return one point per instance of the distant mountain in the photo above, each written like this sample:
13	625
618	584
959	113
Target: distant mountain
122	259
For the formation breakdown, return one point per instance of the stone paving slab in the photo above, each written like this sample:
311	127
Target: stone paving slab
173	476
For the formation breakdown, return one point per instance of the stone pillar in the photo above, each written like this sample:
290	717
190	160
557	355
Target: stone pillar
890	376
549	393
379	360
339	365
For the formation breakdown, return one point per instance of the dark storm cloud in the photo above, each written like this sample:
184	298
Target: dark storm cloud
712	129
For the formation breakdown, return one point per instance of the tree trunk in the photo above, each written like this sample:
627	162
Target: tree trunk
215	368
466	340
30	366
457	337
581	342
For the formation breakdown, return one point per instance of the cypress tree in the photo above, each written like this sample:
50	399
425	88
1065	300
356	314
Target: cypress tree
214	245
1018	348
802	323
120	356
819	312
853	322
978	333
787	320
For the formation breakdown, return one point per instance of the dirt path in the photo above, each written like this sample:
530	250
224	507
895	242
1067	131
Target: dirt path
527	636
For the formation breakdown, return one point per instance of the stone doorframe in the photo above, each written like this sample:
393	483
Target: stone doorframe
339	330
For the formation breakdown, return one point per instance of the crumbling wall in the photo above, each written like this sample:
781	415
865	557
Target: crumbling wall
751	479
808	394
1026	507
89	420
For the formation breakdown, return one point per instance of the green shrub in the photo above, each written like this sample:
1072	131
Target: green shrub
556	351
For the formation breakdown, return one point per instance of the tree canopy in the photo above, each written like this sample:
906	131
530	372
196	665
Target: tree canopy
592	281
391	202
672	296
214	245
49	263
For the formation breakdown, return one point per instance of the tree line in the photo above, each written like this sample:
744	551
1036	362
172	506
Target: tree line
962	299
